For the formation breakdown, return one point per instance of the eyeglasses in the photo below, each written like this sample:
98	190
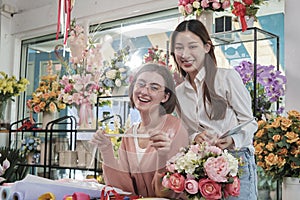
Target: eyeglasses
152	88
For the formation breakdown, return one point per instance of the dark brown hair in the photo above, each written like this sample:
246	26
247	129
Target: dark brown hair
218	103
168	106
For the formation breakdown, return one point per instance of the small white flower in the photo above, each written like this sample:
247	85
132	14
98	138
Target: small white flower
111	74
118	82
196	4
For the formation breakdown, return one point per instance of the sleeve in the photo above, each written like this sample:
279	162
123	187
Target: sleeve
115	168
239	100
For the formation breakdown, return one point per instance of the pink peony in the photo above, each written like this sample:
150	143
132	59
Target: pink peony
210	189
217	169
176	182
216	5
191	186
233	189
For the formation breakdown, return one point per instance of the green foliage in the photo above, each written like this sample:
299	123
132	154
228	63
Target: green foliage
18	169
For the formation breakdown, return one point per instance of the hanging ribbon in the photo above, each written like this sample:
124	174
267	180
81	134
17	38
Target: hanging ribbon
64	18
240	11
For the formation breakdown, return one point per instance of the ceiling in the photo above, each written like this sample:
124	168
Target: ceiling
24	5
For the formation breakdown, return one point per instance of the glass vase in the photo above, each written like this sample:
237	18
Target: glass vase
3	105
86	116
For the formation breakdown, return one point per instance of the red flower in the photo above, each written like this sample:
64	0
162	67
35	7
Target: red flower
248	2
176	182
233	189
210	189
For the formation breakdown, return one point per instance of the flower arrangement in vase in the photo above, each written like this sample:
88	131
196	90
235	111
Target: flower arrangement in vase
31	147
45	96
9	88
115	73
195	7
246	10
88	76
270	87
203	171
277	146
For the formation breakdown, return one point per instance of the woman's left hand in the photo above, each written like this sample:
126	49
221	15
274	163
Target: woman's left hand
225	143
160	141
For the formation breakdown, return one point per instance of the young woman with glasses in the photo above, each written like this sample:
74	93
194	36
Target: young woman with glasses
142	160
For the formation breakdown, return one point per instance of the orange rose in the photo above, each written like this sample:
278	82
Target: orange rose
52	107
285	123
294	166
270	146
283	152
276	138
281	162
271	159
294	113
42	105
260	133
291	137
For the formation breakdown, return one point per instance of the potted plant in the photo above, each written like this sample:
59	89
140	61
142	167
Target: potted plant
277	151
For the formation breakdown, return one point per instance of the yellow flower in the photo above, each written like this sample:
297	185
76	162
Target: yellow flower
10	86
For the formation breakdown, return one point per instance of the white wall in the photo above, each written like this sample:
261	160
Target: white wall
292	54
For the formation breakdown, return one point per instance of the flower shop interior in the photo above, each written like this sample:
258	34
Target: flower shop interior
42	46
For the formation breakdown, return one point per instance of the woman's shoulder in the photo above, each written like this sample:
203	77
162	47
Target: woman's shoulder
227	73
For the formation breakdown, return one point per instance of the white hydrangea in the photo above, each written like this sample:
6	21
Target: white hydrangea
187	163
111	74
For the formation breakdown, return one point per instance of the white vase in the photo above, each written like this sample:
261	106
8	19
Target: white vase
47	117
206	17
290	188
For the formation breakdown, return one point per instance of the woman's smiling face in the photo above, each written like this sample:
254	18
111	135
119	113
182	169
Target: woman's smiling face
149	91
190	52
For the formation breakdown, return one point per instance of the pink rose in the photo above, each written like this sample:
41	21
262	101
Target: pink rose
226	4
191	186
204	4
210	189
189	8
216	5
165	182
217	169
233	189
176	182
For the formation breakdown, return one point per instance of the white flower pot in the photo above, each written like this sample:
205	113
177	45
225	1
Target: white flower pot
290	188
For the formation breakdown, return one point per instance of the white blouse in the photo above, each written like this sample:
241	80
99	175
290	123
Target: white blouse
229	85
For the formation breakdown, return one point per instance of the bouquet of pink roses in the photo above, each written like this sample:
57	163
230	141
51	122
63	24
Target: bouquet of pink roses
203	171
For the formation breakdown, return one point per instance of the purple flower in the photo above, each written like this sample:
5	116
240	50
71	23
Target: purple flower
270	84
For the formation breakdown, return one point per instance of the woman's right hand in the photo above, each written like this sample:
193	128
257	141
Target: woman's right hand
101	140
206	136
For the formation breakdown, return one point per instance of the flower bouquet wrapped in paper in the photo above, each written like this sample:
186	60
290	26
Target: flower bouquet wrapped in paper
203	171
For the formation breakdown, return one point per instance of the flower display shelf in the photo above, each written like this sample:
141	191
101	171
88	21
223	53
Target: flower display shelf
252	44
59	134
